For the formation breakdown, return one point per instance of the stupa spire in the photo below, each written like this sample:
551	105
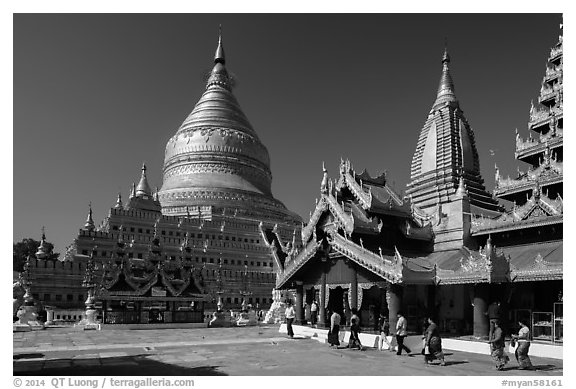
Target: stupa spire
119	204
42	252
219	75
446	86
143	188
219	56
89	225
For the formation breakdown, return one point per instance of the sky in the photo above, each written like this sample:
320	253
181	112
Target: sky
96	95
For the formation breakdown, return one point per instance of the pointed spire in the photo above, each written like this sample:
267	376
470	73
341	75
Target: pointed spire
89	225
489	247
219	56
156	195
446	85
42	252
143	189
119	204
323	185
219	75
133	190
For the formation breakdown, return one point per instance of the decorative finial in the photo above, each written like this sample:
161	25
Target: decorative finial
445	56
42	252
323	185
446	89
133	190
119	204
89	225
219	56
143	189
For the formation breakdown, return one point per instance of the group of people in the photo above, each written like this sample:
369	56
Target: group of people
431	348
431	340
497	345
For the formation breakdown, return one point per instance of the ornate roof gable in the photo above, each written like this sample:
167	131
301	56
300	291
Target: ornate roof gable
538	208
549	169
486	265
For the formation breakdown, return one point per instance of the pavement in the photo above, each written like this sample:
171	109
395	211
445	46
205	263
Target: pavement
247	351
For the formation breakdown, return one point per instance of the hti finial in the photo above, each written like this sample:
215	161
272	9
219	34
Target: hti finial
219	56
445	56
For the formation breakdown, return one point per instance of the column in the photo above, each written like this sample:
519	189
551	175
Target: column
394	300
322	304
481	325
431	301
354	288
299	303
49	316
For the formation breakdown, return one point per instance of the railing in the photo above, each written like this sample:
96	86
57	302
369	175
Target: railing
121	317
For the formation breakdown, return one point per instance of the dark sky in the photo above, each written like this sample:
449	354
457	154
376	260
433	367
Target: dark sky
96	95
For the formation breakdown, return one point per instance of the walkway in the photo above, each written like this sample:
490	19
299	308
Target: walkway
252	351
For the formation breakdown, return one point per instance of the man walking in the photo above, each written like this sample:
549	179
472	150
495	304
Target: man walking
290	315
313	312
494	316
401	333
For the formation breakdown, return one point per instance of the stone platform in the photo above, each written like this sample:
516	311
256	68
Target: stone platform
237	351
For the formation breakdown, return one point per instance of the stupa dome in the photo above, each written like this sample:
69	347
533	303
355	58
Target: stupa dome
216	157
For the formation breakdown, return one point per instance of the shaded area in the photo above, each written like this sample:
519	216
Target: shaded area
134	365
28	356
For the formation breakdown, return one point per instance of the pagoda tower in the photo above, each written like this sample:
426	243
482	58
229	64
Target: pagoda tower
542	150
216	161
445	173
535	196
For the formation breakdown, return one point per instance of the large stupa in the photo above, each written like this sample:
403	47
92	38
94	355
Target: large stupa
216	161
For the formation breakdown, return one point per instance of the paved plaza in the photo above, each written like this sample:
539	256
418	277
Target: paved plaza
251	351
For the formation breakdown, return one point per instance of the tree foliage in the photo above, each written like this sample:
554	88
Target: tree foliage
28	247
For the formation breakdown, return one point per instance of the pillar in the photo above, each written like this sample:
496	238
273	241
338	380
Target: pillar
322	304
394	300
354	289
481	325
431	301
299	308
49	316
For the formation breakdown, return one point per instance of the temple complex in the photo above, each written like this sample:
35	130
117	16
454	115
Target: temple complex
169	255
213	235
449	247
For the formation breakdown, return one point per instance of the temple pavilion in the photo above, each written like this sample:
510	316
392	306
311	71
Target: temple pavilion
448	247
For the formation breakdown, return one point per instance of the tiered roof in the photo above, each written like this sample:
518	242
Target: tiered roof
537	192
123	276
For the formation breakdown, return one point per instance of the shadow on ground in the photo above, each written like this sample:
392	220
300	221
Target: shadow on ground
28	356
134	365
534	368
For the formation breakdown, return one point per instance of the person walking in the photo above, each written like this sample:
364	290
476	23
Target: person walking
497	347
354	315
355	335
290	314
384	325
433	343
523	339
493	314
333	334
313	312
401	333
